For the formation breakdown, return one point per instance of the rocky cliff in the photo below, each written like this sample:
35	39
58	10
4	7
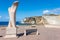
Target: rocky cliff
45	19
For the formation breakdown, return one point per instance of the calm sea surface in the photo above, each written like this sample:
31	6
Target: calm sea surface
6	23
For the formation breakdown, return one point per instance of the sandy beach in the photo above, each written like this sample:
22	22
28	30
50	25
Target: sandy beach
44	33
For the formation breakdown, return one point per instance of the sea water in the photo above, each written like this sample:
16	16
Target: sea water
6	23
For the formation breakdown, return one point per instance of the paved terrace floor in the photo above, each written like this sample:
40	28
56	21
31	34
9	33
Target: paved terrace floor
46	33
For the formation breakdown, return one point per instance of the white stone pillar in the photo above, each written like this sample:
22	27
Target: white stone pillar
37	32
11	29
24	32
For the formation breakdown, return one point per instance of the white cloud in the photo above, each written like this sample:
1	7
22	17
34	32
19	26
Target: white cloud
0	16
45	11
54	11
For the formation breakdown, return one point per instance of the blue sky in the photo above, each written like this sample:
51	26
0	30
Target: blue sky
28	8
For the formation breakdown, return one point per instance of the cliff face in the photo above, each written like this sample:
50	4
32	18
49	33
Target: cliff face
55	20
45	19
34	20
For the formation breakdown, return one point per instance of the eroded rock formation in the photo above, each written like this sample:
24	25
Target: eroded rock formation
45	19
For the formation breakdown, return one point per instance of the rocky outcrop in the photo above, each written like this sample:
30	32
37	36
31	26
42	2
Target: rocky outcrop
34	20
45	19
